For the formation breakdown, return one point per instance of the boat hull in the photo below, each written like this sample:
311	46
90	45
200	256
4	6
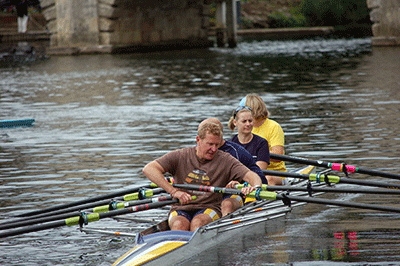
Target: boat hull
154	246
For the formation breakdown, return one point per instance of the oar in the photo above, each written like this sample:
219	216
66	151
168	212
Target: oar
327	190
105	232
105	208
102	206
331	179
88	200
268	195
84	218
334	166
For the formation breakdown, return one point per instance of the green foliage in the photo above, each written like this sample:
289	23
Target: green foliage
246	23
335	12
293	19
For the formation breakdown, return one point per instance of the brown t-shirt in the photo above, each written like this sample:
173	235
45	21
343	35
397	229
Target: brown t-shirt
186	168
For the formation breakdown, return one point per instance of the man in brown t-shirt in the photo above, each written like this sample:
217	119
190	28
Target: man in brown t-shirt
203	164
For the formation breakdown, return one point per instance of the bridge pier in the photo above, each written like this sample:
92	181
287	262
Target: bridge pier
385	14
226	23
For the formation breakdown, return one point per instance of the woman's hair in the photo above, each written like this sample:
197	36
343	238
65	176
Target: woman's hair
235	113
258	106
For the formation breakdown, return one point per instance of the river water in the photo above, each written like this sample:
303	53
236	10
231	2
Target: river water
101	118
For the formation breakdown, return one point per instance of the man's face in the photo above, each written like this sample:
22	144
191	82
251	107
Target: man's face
207	147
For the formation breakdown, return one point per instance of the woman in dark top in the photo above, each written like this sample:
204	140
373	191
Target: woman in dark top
243	120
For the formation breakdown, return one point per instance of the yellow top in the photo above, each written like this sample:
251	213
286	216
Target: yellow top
273	133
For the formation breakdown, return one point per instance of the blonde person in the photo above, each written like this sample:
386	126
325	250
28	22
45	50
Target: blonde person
267	129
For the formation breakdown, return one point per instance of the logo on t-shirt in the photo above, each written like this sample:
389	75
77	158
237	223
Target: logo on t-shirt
198	176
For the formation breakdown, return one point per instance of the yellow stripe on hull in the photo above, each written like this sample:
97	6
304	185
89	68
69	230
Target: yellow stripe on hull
126	254
159	251
165	248
153	253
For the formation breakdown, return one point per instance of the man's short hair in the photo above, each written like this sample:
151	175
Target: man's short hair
209	127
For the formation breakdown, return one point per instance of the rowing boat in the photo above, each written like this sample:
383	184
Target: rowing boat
16	123
157	245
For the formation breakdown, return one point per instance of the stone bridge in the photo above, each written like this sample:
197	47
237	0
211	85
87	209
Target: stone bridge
89	26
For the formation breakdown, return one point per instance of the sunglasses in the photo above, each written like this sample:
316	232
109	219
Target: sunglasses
240	108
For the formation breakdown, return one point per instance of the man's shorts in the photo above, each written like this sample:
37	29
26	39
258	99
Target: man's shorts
191	214
235	197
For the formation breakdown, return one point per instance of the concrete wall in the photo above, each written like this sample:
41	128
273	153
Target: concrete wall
115	25
385	14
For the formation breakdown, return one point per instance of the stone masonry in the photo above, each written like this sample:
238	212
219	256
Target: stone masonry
116	25
88	26
385	14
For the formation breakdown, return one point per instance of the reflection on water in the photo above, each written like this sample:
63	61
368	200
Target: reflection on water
100	119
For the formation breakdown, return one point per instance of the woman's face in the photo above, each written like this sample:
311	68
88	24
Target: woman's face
244	122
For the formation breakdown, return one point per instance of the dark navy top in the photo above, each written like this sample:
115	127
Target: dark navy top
258	147
244	157
22	9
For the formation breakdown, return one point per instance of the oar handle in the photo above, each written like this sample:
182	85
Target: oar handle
208	189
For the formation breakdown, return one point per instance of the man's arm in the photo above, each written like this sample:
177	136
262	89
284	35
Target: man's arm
278	149
252	178
155	172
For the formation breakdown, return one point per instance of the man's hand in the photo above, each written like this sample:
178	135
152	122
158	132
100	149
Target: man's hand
247	190
183	197
232	184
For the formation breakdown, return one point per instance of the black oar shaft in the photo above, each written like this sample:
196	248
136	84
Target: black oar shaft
340	203
46	219
298	160
89	218
91	205
267	195
84	201
378	173
341	180
30	229
26	222
334	166
335	190
369	183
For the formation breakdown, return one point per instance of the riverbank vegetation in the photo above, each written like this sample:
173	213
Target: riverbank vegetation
348	17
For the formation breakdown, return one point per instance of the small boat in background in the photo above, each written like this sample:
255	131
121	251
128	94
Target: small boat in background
16	123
